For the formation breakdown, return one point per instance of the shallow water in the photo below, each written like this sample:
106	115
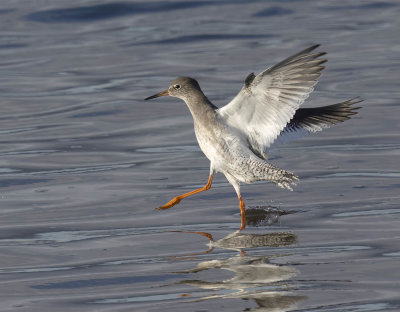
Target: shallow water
84	160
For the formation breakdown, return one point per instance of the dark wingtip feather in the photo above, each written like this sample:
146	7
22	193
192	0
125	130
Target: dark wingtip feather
355	100
325	115
304	55
349	104
313	47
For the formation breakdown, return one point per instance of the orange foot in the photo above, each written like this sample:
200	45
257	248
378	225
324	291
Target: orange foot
177	199
170	204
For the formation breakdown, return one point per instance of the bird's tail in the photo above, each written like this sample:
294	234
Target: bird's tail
282	178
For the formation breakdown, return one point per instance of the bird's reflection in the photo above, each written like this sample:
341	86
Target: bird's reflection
264	215
254	276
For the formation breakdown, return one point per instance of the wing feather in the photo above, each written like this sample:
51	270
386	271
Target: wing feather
310	120
268	101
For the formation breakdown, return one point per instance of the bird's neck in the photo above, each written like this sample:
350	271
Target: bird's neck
200	106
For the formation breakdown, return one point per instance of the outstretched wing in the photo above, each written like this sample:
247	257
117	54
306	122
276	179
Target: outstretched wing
268	101
310	120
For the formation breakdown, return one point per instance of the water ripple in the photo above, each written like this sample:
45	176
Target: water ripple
78	170
109	10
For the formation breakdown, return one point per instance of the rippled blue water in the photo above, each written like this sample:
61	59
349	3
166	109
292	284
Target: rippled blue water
84	160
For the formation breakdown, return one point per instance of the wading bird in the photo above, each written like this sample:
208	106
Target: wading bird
235	137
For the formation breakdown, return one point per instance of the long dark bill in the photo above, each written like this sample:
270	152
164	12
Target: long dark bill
157	95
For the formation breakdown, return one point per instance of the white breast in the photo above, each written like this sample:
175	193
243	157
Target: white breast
220	144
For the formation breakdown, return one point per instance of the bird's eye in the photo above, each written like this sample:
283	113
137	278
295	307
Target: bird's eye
176	87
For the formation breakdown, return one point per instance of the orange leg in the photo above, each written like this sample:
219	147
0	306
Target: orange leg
178	198
242	213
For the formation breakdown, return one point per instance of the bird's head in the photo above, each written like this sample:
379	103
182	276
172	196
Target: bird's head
181	87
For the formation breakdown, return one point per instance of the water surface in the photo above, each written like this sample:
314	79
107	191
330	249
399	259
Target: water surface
84	160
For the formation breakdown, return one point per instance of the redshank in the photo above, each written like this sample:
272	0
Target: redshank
235	137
